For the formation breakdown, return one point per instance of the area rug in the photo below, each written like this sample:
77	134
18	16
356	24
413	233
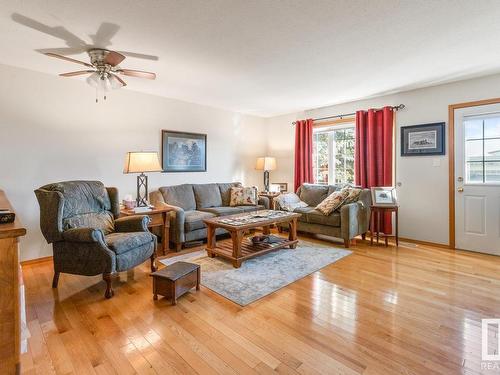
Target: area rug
263	275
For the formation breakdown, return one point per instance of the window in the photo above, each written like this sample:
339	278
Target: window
333	155
482	149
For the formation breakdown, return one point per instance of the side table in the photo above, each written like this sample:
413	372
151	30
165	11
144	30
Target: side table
377	212
271	197
160	217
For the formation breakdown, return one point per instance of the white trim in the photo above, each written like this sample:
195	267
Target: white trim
335	127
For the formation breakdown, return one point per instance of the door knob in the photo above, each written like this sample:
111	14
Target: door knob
460	179
460	189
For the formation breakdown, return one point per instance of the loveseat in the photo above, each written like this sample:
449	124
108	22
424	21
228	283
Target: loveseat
193	203
348	222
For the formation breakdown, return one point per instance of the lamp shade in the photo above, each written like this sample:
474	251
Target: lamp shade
266	163
142	161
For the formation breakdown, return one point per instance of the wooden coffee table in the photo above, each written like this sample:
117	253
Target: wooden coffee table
242	248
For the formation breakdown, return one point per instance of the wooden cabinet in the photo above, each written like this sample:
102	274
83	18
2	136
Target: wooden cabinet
10	335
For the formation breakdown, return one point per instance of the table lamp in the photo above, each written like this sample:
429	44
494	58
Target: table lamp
266	164
141	162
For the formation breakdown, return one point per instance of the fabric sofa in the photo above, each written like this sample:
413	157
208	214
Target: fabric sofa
350	221
193	203
81	221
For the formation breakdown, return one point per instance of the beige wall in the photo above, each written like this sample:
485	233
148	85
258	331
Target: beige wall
423	193
51	130
280	144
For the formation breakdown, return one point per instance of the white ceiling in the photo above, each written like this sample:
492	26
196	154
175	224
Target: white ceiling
263	57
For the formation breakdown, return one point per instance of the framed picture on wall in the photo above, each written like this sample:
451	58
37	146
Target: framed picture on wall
425	139
281	187
183	152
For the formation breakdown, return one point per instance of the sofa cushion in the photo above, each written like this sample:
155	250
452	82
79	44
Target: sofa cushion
313	194
97	220
251	208
180	196
311	215
332	188
122	242
225	191
207	195
223	211
316	217
194	220
303	211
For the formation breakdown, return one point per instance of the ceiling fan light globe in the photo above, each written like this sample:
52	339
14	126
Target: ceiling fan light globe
93	80
104	84
114	83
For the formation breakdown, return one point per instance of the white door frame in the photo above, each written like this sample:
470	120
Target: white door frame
451	159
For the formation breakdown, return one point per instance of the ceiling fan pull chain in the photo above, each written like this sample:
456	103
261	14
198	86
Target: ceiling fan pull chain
96	95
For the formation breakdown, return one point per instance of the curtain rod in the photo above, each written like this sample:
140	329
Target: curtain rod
396	108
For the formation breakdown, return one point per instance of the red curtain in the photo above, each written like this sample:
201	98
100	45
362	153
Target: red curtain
303	152
373	152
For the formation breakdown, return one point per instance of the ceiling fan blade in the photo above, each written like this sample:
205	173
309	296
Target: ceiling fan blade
137	73
120	80
65	51
78	73
113	58
139	55
68	59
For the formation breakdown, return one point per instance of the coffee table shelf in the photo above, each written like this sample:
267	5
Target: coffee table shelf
249	249
241	248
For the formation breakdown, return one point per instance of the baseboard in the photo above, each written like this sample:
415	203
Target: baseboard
425	243
37	260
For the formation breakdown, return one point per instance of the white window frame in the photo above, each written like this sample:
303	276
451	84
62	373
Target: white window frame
331	149
479	116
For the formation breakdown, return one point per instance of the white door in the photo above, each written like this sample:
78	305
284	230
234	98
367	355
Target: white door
477	178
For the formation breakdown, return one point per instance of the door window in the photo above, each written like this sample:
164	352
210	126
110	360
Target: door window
482	149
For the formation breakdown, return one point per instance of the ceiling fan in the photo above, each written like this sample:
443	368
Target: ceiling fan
103	70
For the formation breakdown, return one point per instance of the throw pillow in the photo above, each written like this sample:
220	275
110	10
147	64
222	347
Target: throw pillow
243	196
332	202
289	202
353	196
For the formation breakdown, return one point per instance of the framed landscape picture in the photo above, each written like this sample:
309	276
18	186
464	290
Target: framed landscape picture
384	196
183	152
425	139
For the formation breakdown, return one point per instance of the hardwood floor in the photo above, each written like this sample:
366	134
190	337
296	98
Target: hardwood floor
412	310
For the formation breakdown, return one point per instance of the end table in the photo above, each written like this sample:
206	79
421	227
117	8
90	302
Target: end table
269	195
375	216
160	217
